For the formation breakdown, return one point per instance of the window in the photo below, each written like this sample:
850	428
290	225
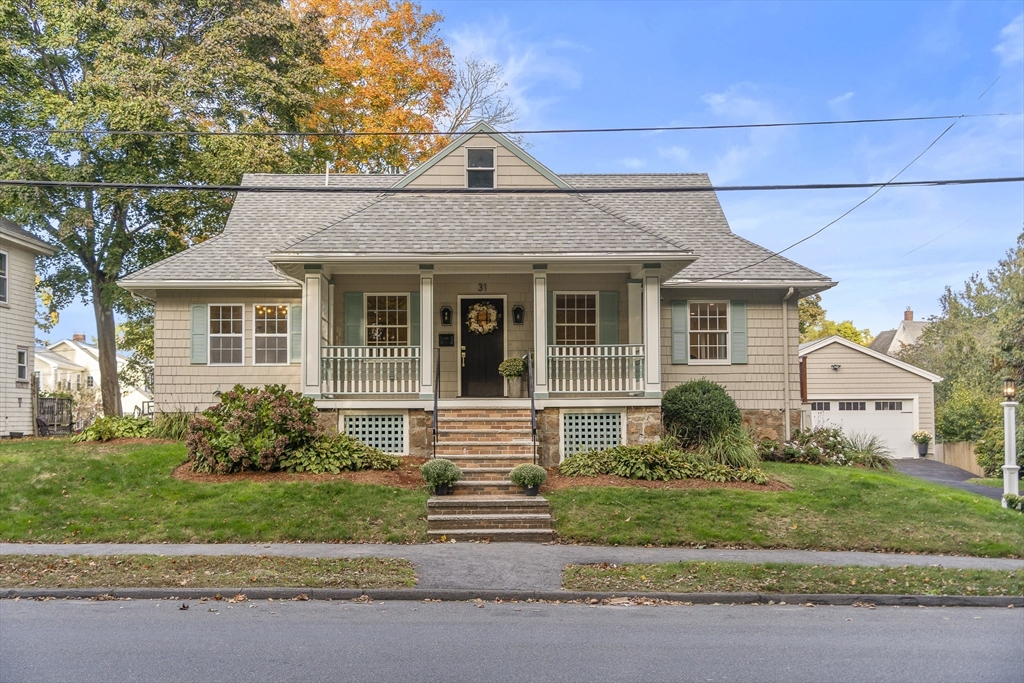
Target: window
576	318
270	334
852	405
820	405
888	405
709	331
90	382
387	320
480	168
22	365
78	382
226	340
3	277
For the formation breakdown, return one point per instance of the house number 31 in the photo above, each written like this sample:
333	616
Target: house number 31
481	286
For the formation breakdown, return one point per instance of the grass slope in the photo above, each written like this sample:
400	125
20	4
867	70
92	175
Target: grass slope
55	491
829	508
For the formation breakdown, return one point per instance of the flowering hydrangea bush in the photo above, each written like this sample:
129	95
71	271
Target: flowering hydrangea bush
821	446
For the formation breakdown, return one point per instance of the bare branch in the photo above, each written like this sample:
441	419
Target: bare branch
479	95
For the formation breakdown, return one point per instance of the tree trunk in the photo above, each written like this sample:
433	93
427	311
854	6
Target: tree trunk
106	340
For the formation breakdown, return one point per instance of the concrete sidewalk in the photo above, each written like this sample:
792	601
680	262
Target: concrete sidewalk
509	566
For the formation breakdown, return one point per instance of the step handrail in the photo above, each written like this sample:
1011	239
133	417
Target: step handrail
533	404
437	390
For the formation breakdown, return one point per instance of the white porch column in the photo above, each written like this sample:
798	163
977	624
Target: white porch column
540	331
652	335
634	292
426	332
313	292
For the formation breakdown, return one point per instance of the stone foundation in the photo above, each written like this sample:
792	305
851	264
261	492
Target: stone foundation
643	424
770	424
328	420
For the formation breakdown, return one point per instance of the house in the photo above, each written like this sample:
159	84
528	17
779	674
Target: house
892	342
18	252
73	365
859	389
377	295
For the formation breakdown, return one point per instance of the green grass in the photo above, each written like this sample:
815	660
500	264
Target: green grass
739	577
55	491
829	508
201	571
994	483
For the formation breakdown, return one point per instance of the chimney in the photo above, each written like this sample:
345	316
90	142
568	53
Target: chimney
908	314
79	337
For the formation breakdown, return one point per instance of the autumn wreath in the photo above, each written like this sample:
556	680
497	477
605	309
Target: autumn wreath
482	318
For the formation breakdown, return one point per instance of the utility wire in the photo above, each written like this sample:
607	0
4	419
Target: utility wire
676	189
545	131
933	239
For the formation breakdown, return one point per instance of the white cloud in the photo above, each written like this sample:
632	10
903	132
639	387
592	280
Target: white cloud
735	104
675	153
633	162
1011	48
842	99
739	103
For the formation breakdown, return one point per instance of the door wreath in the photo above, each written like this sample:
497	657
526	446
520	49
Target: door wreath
482	318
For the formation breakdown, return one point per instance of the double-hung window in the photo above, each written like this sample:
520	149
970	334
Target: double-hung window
387	319
575	318
480	168
3	277
270	334
22	365
226	336
709	332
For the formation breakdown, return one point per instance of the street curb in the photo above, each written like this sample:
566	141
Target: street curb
464	594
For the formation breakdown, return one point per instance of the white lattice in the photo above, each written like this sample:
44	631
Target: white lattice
591	431
386	432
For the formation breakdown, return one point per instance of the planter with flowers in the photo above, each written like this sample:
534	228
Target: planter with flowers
513	369
922	439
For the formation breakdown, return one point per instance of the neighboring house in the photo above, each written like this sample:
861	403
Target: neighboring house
892	342
73	365
18	252
353	298
858	389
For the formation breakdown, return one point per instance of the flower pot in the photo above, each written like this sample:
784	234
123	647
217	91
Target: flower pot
531	490
443	490
922	449
515	387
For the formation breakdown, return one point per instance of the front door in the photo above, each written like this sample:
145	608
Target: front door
482	353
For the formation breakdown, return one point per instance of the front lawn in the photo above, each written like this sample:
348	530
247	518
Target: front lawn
994	483
55	491
829	508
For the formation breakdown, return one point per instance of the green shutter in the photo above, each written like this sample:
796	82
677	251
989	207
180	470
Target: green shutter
200	340
354	329
738	329
680	336
551	318
608	330
295	331
414	319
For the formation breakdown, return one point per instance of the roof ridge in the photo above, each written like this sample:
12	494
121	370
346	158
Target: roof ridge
650	231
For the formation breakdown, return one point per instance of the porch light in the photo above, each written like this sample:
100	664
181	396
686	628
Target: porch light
1009	388
446	315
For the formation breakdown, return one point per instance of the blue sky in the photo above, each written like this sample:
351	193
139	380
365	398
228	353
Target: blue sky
604	64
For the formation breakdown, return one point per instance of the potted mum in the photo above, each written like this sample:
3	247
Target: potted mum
440	475
922	439
529	476
513	369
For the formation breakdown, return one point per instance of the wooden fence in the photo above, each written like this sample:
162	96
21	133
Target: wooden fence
959	454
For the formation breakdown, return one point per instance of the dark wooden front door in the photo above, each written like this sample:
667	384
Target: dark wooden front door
482	353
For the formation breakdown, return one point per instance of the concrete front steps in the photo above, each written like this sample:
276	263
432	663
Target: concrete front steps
489	518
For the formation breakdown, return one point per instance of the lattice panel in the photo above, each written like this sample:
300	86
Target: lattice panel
591	431
386	432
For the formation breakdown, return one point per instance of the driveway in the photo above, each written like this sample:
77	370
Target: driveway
941	473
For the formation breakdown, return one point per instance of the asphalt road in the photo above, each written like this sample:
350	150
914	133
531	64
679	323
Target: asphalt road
394	641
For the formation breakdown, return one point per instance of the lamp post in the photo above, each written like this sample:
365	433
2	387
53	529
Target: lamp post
1010	481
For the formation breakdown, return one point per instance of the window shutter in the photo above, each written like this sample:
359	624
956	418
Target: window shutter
354	330
200	340
295	332
551	318
608	330
680	336
738	329
414	319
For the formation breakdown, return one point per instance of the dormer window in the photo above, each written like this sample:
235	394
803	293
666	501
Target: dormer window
480	168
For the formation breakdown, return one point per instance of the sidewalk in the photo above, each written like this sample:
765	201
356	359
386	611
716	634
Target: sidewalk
508	566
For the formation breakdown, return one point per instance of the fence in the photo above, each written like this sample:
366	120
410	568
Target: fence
959	454
58	413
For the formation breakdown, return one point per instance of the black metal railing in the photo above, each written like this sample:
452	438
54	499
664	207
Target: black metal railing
533	404
437	390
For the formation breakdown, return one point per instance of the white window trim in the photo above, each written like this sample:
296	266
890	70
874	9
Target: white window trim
728	333
287	335
6	277
210	335
20	365
494	167
408	318
597	317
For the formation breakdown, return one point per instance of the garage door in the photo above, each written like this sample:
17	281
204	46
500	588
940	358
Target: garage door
891	421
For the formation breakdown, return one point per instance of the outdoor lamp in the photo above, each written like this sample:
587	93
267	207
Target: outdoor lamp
1011	486
1009	388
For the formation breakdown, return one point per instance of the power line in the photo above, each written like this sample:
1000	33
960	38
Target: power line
544	131
933	239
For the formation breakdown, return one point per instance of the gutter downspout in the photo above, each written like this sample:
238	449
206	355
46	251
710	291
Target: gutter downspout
785	359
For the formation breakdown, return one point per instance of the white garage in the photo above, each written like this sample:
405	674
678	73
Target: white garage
846	385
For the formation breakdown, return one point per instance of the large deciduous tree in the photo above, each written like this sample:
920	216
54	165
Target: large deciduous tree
814	325
158	65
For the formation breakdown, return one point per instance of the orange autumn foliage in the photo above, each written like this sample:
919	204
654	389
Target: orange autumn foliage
387	69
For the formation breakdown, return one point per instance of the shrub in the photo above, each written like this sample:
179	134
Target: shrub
173	426
966	415
114	427
336	453
527	474
440	472
648	461
510	368
586	464
1014	502
990	450
697	410
821	446
655	461
251	429
732	446
867	450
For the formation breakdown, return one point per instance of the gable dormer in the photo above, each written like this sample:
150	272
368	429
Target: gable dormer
482	159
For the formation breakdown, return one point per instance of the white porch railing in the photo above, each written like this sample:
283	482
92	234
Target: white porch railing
596	369
370	370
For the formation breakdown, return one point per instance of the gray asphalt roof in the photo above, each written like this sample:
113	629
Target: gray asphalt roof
882	341
15	230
